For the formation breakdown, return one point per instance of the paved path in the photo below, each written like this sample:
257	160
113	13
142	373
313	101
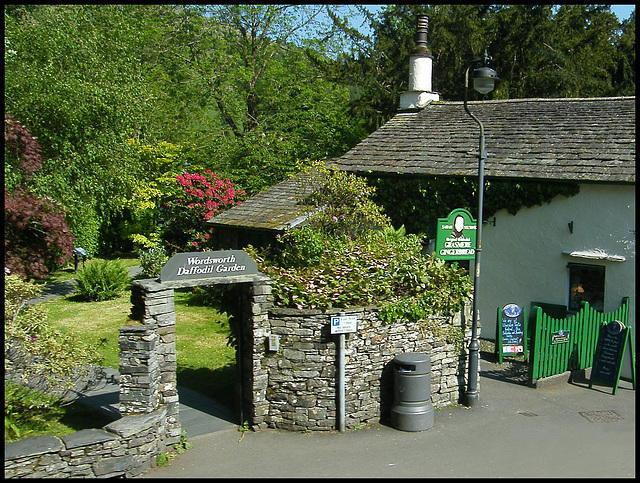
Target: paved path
198	414
566	430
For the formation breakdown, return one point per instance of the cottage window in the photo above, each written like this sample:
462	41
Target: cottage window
586	284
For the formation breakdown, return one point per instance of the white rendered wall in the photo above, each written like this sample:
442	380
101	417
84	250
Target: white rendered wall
522	256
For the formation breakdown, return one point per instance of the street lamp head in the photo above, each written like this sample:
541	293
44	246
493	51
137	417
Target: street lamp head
484	79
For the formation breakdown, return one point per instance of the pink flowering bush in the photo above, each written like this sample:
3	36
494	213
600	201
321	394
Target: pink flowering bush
201	197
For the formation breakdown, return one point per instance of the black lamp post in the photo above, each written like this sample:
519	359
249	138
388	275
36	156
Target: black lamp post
484	79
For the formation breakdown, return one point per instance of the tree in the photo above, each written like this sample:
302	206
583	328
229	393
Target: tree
37	238
624	76
254	82
75	77
538	51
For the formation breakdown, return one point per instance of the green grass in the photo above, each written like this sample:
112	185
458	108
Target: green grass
36	414
204	360
205	363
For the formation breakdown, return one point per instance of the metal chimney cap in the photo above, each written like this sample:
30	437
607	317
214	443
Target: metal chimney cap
421	48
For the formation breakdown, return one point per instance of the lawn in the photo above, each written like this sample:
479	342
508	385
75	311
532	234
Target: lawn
205	363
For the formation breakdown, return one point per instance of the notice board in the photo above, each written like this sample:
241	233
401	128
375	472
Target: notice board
607	360
511	332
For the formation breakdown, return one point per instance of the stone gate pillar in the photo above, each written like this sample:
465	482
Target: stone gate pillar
148	354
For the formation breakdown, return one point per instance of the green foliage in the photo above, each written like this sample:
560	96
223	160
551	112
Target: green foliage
76	80
152	260
419	202
164	458
102	280
36	353
338	260
538	51
340	203
24	407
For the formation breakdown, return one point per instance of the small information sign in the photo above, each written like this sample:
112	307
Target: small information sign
344	324
560	337
456	236
511	337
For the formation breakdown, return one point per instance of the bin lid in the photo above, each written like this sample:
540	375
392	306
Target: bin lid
422	362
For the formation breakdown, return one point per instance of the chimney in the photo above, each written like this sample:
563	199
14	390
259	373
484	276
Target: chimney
420	72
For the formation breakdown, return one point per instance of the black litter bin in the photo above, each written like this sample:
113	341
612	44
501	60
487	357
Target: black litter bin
412	409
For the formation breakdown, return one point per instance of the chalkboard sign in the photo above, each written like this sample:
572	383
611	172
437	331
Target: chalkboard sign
511	337
607	361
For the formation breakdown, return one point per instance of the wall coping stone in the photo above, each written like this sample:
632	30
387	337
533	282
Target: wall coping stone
136	423
155	285
86	437
31	446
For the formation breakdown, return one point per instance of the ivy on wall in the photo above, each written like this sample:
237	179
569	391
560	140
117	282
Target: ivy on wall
417	203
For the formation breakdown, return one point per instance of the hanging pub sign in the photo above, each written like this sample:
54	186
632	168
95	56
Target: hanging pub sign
456	236
198	265
511	332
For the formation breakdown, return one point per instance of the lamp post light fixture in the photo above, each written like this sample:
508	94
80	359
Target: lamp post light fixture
484	79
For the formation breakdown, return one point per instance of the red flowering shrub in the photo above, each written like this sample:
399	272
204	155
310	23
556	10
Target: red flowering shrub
185	218
37	238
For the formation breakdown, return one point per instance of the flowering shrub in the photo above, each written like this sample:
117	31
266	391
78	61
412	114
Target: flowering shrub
349	255
162	162
35	353
203	196
384	268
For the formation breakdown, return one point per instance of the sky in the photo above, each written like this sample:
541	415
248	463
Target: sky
623	12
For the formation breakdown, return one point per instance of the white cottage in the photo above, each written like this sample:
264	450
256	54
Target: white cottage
570	249
559	253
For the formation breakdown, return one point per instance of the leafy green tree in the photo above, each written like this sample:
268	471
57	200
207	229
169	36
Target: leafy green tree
75	77
624	76
268	103
538	51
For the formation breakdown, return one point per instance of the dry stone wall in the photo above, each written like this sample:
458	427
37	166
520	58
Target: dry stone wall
124	448
301	375
293	388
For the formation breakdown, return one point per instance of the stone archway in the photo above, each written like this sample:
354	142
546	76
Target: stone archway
148	351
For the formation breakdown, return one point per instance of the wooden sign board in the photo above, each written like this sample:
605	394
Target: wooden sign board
607	360
511	332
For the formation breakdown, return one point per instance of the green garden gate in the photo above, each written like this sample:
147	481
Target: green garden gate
568	344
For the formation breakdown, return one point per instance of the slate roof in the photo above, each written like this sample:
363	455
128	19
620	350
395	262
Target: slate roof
276	208
585	140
